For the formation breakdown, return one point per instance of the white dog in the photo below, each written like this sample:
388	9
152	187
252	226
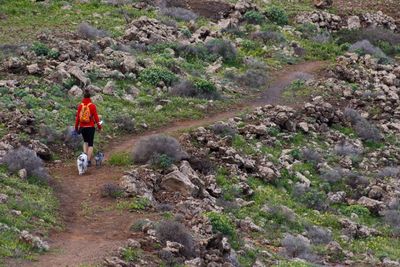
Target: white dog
82	163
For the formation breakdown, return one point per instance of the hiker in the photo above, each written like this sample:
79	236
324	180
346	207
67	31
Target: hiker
86	118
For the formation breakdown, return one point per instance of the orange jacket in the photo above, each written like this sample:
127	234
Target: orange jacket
93	112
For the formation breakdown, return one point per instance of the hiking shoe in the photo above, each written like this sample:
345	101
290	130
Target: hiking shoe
89	163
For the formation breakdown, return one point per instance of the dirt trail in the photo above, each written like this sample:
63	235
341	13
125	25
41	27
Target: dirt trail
93	226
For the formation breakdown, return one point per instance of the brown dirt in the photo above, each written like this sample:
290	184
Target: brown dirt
389	7
93	226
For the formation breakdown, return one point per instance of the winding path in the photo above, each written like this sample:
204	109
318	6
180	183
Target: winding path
93	225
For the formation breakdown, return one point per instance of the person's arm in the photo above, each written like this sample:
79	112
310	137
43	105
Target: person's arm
77	118
96	116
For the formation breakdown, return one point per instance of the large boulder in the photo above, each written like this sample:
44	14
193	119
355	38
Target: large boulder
177	181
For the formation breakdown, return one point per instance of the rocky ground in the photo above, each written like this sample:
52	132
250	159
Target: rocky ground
313	183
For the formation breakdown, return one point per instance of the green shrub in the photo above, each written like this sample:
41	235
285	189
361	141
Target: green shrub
120	159
357	209
254	17
130	254
277	15
222	223
153	76
41	49
161	161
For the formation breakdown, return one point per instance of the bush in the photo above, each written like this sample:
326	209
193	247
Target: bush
49	135
168	258
71	139
120	159
268	37
296	246
386	39
197	89
364	129
319	235
177	232
333	176
125	123
314	199
392	172
356	181
24	158
41	49
277	15
179	13
311	156
194	52
152	145
154	76
223	129
85	30
111	190
253	78
202	165
365	47
161	161
344	148
254	17
221	223
367	131
130	254
222	48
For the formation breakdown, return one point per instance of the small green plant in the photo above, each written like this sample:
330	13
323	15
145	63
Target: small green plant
205	86
222	223
357	209
161	161
277	15
130	254
254	17
153	76
137	203
120	159
40	49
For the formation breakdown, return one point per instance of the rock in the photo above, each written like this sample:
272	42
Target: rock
41	149
266	173
35	241
248	225
3	198
337	197
132	243
33	69
14	65
390	263
79	75
323	3
373	205
176	181
149	31
75	91
376	192
196	262
304	127
23	174
353	23
109	89
173	247
129	65
16	212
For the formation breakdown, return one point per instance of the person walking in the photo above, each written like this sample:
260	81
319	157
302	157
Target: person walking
86	119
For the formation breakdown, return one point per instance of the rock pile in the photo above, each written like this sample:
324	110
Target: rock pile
150	31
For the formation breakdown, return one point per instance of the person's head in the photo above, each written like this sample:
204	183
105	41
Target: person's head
86	93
